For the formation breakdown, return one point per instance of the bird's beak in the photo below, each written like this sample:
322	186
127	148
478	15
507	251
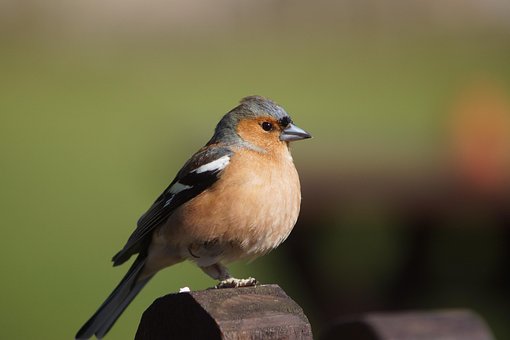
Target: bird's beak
292	133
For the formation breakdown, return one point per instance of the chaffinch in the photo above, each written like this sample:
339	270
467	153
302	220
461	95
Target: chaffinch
238	197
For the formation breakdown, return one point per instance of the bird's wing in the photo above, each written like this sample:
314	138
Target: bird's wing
200	172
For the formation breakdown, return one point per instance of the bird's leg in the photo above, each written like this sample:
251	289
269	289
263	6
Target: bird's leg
219	272
232	282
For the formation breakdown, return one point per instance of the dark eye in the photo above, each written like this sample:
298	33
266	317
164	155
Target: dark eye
267	126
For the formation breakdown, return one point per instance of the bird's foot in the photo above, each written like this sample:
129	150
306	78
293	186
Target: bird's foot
232	282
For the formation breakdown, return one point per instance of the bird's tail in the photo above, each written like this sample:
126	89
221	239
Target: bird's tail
101	322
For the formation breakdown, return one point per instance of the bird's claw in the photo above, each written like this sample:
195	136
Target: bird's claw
232	282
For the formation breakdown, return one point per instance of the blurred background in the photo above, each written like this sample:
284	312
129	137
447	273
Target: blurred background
406	185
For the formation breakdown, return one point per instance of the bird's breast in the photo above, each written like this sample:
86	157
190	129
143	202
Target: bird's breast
251	209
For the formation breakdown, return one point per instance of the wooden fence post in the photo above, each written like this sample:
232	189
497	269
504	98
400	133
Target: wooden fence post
460	324
260	312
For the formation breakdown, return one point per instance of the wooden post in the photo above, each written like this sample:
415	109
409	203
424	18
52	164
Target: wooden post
447	324
261	312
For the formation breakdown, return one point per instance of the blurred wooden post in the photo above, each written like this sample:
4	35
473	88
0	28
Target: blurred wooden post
261	312
448	324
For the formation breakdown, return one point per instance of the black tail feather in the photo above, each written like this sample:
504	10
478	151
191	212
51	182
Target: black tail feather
115	314
101	322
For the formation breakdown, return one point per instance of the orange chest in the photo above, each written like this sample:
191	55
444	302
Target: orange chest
254	206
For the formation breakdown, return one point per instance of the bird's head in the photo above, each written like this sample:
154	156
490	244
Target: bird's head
259	122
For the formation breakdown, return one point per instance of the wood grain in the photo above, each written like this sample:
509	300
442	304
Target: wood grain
261	312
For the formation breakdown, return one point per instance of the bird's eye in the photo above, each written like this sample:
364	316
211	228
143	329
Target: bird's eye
267	126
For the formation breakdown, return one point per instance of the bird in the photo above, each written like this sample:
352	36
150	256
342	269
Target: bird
236	198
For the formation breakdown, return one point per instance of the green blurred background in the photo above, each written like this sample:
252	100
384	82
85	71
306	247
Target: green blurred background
101	102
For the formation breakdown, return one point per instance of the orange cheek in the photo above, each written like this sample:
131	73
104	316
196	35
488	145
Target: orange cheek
250	131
